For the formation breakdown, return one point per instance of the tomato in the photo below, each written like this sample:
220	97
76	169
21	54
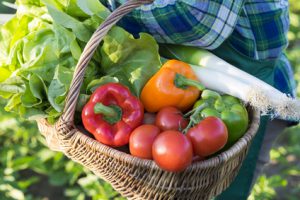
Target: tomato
141	140
170	118
149	118
208	137
172	151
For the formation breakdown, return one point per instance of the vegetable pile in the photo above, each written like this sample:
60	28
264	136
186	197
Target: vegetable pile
179	125
128	98
233	81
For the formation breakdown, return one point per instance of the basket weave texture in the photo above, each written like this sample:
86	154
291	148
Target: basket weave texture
133	177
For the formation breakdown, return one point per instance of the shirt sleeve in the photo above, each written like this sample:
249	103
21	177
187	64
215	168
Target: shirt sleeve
202	23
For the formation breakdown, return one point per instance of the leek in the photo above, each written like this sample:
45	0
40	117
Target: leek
216	74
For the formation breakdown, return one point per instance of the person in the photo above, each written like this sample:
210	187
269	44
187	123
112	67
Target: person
252	35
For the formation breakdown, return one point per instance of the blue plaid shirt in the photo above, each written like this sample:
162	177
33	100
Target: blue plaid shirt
257	28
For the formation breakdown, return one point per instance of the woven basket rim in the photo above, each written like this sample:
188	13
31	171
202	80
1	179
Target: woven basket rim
150	164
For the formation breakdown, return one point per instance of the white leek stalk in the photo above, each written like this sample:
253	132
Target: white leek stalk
216	74
255	94
10	5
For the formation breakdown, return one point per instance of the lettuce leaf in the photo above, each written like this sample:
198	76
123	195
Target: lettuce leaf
132	61
40	47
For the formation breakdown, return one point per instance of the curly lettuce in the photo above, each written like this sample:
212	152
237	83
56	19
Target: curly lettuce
41	44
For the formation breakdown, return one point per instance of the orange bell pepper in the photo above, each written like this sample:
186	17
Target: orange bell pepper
175	84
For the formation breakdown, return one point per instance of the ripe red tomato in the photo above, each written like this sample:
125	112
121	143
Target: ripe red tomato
170	118
208	137
172	151
141	140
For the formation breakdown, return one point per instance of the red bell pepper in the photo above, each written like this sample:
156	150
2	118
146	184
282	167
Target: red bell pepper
112	113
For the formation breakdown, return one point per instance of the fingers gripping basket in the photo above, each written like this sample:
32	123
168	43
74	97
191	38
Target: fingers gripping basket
136	178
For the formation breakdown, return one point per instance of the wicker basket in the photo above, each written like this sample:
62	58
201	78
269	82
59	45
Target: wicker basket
133	177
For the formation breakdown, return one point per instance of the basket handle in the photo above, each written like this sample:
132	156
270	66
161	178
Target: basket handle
88	52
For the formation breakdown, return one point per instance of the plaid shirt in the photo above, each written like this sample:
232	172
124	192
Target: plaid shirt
256	28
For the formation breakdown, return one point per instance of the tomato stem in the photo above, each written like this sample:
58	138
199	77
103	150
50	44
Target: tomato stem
195	117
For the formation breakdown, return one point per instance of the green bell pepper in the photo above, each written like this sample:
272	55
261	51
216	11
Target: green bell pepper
229	109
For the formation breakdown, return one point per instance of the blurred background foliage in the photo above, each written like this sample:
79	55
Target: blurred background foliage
29	170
